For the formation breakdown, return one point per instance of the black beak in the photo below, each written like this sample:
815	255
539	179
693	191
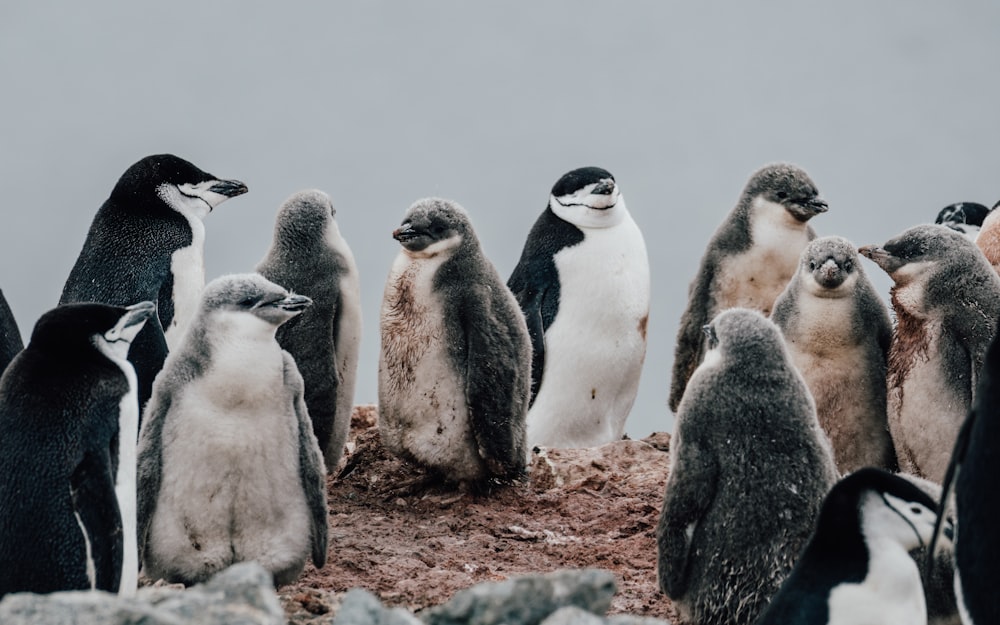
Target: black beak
138	313
404	233
293	303
229	188
604	187
816	205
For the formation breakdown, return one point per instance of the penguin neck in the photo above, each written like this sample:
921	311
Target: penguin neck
587	218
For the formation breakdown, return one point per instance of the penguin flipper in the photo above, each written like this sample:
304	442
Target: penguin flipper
690	339
149	464
96	509
531	306
312	471
690	490
491	388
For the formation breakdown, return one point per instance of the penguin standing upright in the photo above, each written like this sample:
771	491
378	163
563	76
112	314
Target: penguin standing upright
10	336
838	331
947	300
309	256
749	468
67	502
146	243
229	467
856	567
454	371
964	217
749	260
973	467
583	285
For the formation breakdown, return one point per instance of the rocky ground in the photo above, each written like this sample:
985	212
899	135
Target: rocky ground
416	546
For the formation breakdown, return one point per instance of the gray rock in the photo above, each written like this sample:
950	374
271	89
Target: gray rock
361	607
526	600
241	595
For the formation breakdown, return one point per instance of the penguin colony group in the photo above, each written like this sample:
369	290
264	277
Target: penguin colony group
154	423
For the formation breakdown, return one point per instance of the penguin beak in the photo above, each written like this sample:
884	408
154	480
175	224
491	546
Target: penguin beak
816	205
404	233
604	187
293	303
881	257
130	323
138	313
228	188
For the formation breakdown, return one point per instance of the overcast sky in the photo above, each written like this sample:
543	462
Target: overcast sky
892	108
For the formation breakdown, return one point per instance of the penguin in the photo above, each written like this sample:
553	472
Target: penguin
229	467
309	256
938	579
68	424
749	260
10	336
946	299
988	240
146	243
583	285
454	376
972	468
749	468
856	567
838	331
964	217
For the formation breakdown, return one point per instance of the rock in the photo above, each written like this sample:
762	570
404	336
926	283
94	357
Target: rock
636	463
361	607
526	600
241	595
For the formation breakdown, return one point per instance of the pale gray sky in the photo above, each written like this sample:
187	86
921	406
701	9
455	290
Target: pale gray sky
891	107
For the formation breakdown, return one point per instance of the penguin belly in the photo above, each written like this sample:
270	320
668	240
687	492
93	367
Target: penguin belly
423	412
595	347
347	344
231	490
849	404
925	413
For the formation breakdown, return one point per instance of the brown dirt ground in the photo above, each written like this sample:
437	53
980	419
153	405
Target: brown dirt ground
590	508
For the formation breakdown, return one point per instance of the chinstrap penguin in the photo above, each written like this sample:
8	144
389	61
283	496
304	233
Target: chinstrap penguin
749	468
947	299
10	335
455	362
69	419
309	256
838	332
229	467
973	467
583	285
856	567
749	260
964	217
146	243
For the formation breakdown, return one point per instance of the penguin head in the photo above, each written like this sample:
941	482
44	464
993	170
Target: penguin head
743	335
178	183
588	197
916	252
829	266
788	186
250	302
306	219
962	213
76	328
434	226
883	506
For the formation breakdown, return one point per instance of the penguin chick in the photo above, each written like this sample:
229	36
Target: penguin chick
146	243
749	260
856	567
964	217
988	240
455	362
309	256
746	431
973	467
229	467
947	300
67	503
10	336
838	332
583	285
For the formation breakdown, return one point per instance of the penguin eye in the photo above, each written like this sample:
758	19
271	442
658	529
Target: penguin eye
248	301
437	229
848	265
782	195
812	265
916	510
